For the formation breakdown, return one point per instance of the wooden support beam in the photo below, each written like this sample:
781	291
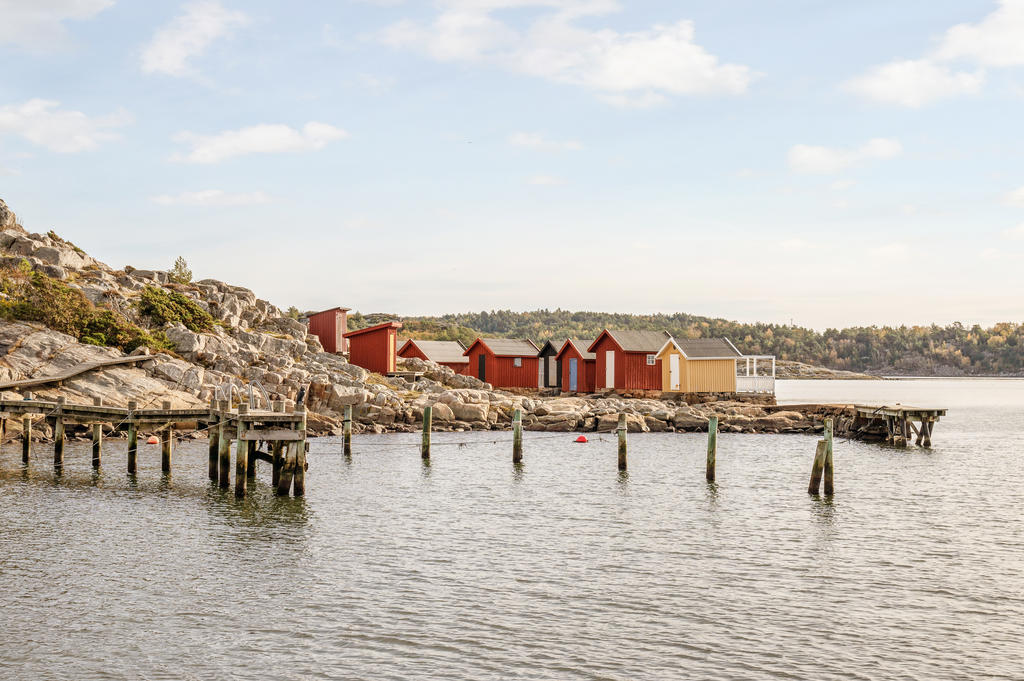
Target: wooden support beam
250	458
133	438
275	462
517	436
287	469
166	442
26	438
299	482
58	435
622	442
273	435
712	448
816	468
428	412
346	433
223	446
241	452
97	437
212	434
827	467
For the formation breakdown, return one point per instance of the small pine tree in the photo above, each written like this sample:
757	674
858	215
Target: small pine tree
180	273
293	312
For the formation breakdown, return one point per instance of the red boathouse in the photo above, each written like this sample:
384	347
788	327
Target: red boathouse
628	360
446	353
504	362
330	326
374	348
578	366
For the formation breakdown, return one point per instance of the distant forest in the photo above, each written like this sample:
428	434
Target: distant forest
954	350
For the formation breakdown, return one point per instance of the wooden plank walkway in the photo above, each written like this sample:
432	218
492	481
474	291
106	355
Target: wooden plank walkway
284	433
72	372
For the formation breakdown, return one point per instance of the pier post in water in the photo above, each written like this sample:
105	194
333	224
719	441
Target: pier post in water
241	451
517	436
58	435
212	434
712	448
816	467
133	438
166	442
827	467
622	442
223	445
428	413
250	470
299	481
26	438
97	436
275	450
346	433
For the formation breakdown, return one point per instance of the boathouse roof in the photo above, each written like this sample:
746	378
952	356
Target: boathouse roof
635	341
508	347
448	352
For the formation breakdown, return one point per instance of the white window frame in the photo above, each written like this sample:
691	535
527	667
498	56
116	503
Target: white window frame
652	360
517	362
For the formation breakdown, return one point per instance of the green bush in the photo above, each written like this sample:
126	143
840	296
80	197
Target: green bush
163	307
36	297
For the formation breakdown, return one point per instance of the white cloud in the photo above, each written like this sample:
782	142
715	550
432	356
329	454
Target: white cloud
804	158
1015	198
538	142
915	82
187	36
546	181
997	40
639	68
257	139
41	122
1014	232
9	171
211	197
39	24
842	185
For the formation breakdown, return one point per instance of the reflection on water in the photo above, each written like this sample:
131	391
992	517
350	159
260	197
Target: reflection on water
393	567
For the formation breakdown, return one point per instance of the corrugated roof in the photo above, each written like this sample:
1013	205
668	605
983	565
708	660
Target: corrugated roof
695	348
449	352
378	327
511	347
639	341
581	347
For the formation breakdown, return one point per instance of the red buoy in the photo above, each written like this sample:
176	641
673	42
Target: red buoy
152	440
581	438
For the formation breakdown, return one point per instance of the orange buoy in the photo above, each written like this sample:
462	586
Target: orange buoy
153	440
581	438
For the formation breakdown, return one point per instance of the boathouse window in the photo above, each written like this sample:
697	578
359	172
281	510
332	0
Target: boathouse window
517	361
650	360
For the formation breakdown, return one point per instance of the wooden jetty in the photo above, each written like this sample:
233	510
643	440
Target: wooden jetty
284	434
893	424
73	372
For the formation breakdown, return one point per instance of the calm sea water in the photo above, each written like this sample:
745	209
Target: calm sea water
563	569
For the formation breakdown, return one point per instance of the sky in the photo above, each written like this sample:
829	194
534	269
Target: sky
812	162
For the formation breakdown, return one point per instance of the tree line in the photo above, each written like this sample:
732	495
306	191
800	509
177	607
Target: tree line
953	350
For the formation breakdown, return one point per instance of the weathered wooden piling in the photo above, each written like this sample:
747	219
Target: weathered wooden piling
816	467
241	452
58	435
275	451
97	437
346	433
622	442
299	482
250	458
517	436
213	440
223	445
425	446
133	438
709	472
26	438
166	442
287	469
827	466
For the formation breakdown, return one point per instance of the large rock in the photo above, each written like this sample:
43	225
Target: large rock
469	412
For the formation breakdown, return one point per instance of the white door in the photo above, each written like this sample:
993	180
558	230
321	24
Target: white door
609	369
673	372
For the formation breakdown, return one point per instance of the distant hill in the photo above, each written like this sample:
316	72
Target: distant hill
954	350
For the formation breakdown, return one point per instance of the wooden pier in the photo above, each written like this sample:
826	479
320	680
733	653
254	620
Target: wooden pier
894	424
284	434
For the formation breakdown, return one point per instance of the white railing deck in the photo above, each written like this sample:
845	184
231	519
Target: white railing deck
755	384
